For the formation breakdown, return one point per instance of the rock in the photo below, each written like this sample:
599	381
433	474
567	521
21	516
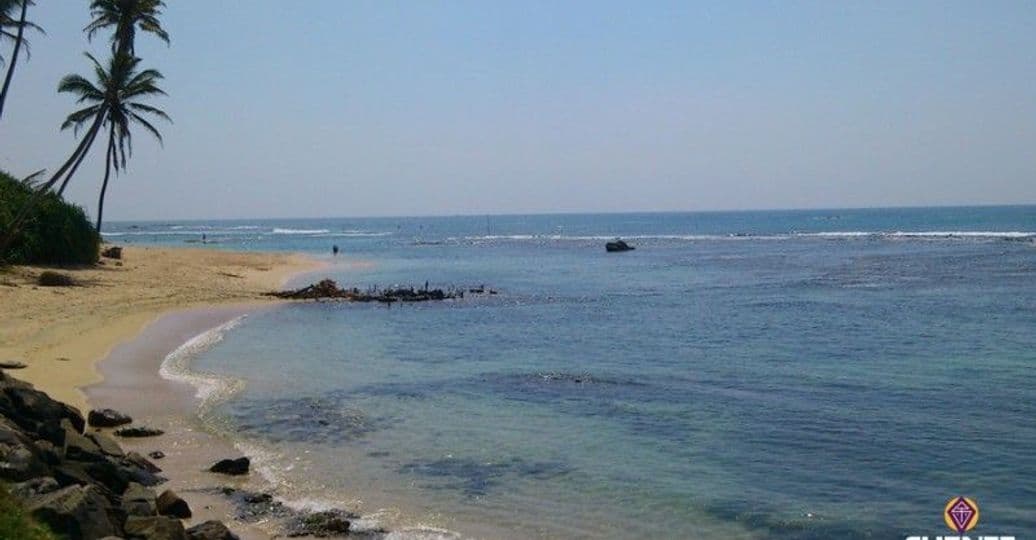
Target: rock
34	411
233	467
50	278
617	245
71	473
155	528
210	530
78	512
112	475
321	524
142	462
170	504
107	418
107	445
142	431
138	500
80	447
20	459
157	454
34	487
13	364
114	252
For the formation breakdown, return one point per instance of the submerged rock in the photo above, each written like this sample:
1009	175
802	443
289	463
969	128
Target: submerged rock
107	418
321	524
233	467
142	431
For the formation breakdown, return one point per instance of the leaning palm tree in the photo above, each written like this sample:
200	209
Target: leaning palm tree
115	98
13	29
114	103
126	16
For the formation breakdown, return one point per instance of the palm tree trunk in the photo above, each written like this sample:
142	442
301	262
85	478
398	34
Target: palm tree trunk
15	226
75	166
14	57
107	174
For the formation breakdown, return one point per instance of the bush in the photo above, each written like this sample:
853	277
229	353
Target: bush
56	232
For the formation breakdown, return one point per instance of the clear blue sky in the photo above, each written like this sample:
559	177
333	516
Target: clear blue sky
338	108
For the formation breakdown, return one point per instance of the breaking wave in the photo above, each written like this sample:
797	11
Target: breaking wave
210	388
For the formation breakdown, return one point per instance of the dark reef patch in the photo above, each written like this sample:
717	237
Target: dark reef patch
476	478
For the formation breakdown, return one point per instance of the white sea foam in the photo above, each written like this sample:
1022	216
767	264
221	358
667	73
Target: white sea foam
300	231
209	387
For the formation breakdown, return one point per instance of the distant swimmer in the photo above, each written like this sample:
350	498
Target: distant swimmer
334	250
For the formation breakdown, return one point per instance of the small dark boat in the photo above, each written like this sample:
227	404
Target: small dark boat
618	245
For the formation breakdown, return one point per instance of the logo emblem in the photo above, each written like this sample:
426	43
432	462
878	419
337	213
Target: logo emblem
961	514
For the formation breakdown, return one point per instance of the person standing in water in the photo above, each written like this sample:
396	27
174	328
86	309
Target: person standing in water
334	250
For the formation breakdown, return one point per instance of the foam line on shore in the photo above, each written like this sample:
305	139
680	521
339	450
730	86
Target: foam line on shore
210	388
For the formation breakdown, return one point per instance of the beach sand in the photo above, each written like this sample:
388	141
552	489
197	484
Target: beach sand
62	332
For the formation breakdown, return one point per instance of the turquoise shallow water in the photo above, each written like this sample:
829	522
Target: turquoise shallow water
811	374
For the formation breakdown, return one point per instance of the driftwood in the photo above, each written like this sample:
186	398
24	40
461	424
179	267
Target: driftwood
327	289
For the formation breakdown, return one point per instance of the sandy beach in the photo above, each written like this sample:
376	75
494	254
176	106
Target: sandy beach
62	332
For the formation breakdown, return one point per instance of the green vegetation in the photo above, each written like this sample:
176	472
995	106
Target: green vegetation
56	232
16	523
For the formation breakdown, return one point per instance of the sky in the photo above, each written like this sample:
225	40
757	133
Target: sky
328	108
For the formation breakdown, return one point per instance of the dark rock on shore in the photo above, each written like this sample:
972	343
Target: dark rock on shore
155	528
138	500
210	530
80	512
255	507
142	431
13	364
232	467
106	444
107	418
157	454
170	504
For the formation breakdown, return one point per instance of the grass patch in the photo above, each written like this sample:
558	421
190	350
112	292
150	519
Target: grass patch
16	523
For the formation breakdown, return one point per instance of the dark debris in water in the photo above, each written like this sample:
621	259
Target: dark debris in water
476	478
254	507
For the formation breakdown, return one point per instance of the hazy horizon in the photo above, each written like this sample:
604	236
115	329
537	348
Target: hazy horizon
364	109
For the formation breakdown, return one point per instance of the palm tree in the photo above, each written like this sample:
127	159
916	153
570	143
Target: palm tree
7	22
126	16
115	99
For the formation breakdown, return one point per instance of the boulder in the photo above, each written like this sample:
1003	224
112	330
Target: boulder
233	467
79	512
34	487
107	418
20	459
34	411
321	524
142	431
155	528
106	444
157	454
79	447
210	530
114	252
71	473
138	500
13	364
142	462
170	504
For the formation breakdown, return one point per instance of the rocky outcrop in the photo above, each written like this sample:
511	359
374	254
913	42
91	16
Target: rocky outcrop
327	289
107	418
232	467
82	485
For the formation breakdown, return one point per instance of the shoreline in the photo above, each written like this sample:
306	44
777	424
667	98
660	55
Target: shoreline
62	333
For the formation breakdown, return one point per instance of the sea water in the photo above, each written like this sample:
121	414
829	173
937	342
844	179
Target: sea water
800	374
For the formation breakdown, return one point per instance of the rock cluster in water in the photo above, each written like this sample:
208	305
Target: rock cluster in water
327	289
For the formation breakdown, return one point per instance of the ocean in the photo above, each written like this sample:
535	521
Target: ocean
810	374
